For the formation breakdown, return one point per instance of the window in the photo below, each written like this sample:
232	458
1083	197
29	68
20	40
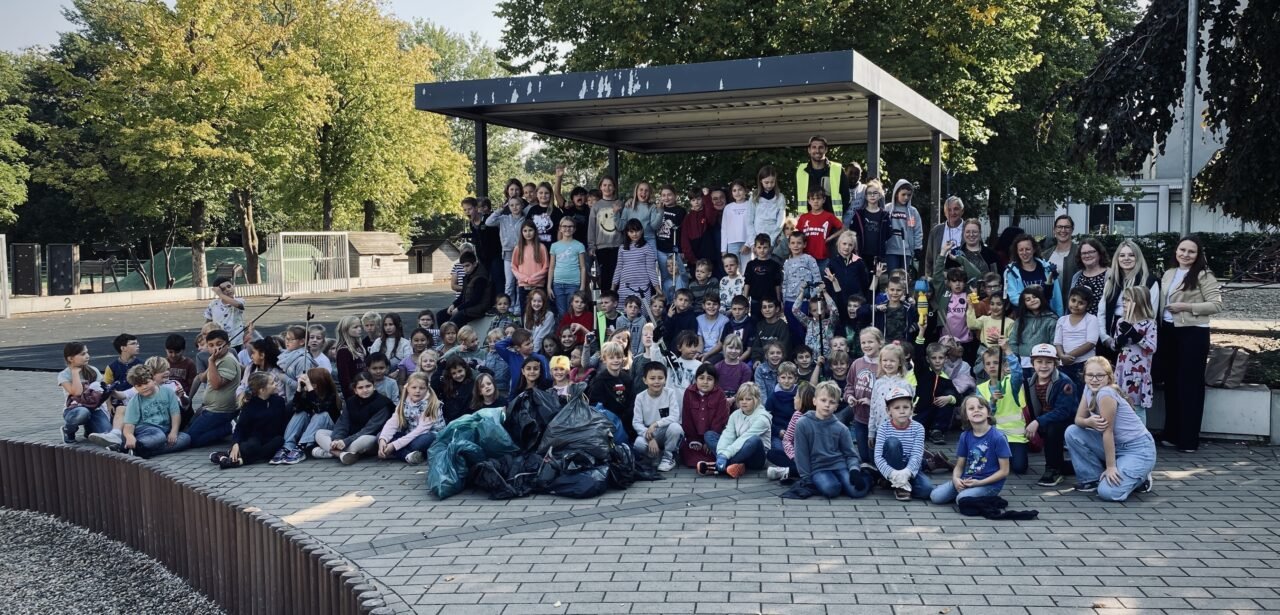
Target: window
1099	218
1124	219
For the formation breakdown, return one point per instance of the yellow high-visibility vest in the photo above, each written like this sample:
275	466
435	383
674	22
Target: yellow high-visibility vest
835	176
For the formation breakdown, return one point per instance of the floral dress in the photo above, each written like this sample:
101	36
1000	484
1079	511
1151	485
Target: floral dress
1133	364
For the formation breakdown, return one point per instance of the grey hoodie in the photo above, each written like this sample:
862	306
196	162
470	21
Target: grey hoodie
906	221
508	228
823	445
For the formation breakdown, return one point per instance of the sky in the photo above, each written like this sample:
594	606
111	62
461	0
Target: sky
37	22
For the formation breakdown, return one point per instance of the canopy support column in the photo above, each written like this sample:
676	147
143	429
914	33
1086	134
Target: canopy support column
873	137
613	164
482	158
935	175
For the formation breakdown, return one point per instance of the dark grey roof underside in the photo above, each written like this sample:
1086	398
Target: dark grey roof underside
734	104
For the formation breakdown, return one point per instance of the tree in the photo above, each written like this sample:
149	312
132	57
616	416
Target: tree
1124	107
373	158
13	123
457	58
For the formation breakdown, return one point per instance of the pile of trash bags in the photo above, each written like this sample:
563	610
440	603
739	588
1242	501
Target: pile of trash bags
536	446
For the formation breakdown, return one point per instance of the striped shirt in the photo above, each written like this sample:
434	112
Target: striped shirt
912	439
636	273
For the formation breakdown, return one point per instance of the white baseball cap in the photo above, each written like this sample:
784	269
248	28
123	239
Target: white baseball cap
1044	350
897	393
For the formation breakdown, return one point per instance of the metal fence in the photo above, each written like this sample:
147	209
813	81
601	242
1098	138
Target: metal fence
300	263
245	560
4	277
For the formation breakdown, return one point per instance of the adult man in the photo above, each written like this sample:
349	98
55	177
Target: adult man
950	229
227	310
1060	250
825	173
476	297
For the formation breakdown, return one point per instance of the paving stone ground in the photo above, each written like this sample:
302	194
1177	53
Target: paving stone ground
1205	540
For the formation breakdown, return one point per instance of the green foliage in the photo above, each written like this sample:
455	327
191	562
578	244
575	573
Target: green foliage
1125	106
13	123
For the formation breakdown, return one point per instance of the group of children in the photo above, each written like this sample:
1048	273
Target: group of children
749	366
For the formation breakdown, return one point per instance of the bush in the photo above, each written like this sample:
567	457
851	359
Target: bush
1234	257
1265	369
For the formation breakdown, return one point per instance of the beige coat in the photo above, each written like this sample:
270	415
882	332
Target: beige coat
1205	300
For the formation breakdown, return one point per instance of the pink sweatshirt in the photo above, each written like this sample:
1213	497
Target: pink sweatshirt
529	272
419	423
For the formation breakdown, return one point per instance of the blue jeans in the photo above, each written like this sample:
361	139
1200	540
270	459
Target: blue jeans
946	492
711	439
1018	461
94	420
921	488
794	326
896	261
563	294
209	427
860	433
510	287
751	454
853	483
779	458
154	440
419	444
302	429
1134	460
671	284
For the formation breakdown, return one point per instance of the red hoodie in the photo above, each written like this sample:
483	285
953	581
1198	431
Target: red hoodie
699	414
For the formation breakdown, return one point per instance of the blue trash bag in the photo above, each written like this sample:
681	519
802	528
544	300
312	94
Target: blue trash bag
463	443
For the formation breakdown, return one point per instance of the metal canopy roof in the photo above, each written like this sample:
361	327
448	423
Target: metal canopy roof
734	104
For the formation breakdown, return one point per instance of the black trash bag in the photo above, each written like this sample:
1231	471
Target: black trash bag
463	443
578	432
507	477
586	484
528	416
622	467
646	468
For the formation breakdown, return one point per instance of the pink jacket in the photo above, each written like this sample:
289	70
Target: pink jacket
425	424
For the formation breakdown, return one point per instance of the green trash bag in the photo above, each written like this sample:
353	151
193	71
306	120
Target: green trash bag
463	443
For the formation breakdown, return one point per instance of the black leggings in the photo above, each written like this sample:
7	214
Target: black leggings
1055	441
254	450
1184	350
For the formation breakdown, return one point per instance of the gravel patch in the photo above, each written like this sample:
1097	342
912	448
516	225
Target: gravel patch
49	566
1250	303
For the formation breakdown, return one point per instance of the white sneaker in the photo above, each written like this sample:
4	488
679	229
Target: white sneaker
108	440
1148	484
777	473
347	457
666	464
415	458
319	453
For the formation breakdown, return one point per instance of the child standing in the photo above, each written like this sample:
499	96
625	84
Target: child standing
1035	326
858	387
408	434
768	206
354	434
891	375
735	220
763	277
711	325
84	395
351	352
568	265
900	447
817	225
704	283
745	440
637	270
657	418
259	430
1135	338
1076	334
732	283
667	241
982	457
703	416
824	452
152	416
800	275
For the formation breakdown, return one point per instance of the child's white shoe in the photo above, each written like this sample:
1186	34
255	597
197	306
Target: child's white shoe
667	464
777	473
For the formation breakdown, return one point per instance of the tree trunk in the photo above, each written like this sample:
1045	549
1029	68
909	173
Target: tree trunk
326	208
370	214
199	222
248	234
994	199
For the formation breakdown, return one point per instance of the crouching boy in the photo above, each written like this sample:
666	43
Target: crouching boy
900	449
657	418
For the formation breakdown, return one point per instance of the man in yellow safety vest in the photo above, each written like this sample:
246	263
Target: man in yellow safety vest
826	173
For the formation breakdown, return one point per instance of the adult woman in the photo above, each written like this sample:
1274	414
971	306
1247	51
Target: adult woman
1111	450
1128	268
1091	257
1190	295
848	267
982	258
1029	270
